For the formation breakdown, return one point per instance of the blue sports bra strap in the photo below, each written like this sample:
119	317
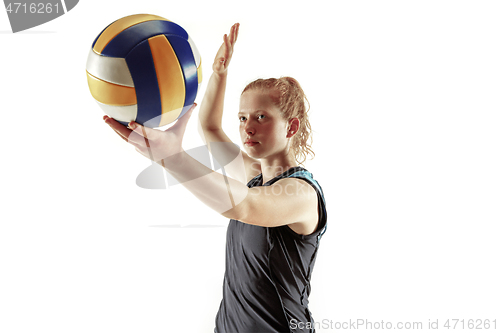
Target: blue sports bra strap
308	176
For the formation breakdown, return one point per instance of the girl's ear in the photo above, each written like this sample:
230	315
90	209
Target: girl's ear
293	127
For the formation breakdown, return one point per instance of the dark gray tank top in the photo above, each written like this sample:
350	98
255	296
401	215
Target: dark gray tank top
268	271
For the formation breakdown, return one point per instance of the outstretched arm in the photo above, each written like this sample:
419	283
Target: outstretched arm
288	201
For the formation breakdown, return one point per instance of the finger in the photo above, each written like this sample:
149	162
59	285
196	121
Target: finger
117	127
127	133
227	48
180	126
124	132
121	136
237	30
140	137
233	34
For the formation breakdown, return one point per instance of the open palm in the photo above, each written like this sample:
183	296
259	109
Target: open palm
225	52
155	144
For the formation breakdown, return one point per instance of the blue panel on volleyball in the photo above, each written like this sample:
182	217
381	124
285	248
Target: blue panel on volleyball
185	57
142	68
126	40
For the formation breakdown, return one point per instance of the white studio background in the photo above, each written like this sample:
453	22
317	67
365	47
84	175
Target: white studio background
405	113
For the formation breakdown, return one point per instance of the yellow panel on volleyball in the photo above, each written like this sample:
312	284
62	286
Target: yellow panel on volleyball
109	93
118	26
199	73
170	79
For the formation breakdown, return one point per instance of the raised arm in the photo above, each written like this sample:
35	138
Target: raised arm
224	151
211	108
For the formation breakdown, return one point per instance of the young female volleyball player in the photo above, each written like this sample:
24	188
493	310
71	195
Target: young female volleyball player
277	218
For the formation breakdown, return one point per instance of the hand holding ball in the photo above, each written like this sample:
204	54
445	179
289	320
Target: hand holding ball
144	68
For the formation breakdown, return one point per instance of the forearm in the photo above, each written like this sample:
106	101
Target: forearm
219	192
212	105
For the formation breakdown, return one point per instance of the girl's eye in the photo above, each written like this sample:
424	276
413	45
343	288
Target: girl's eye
242	118
260	115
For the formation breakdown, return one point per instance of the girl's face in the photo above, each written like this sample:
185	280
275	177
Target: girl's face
263	130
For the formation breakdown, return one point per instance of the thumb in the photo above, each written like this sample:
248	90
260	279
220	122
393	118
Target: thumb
180	126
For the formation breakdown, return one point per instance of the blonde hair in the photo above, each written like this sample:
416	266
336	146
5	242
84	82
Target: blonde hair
292	102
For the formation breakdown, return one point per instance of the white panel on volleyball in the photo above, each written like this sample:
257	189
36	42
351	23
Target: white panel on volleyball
125	113
197	57
114	70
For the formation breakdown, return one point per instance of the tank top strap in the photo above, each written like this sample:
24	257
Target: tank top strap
301	173
304	174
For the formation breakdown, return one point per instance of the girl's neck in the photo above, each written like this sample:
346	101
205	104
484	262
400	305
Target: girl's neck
274	167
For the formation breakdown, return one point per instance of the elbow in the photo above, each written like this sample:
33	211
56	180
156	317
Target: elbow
247	213
240	210
208	124
210	128
235	213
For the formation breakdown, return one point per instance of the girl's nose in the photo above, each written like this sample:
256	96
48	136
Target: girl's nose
249	129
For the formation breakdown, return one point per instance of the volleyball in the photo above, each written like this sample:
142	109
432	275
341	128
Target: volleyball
144	68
